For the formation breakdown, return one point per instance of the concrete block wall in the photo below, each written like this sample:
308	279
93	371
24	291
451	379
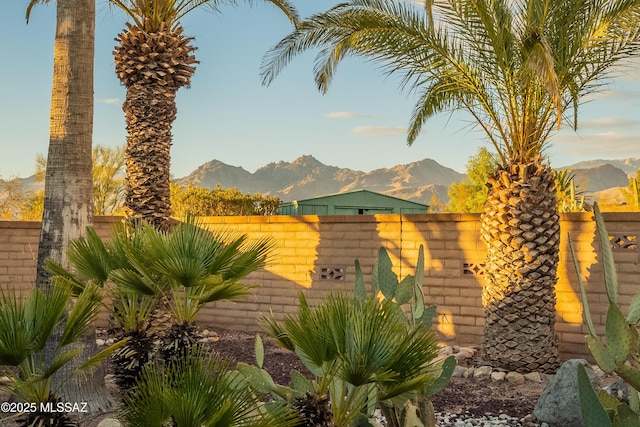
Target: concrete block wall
313	252
315	255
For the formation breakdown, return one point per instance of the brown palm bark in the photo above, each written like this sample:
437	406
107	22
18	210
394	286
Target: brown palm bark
522	230
152	65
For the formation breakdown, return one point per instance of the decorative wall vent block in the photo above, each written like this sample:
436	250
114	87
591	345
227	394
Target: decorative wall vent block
335	274
473	268
624	242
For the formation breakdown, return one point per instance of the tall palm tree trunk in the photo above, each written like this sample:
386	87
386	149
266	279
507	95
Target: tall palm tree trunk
522	230
153	65
68	208
68	177
150	112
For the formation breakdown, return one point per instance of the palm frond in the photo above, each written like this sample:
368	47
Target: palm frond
17	333
197	389
288	9
60	359
131	281
82	315
516	66
96	360
64	277
154	15
132	311
45	310
90	257
221	291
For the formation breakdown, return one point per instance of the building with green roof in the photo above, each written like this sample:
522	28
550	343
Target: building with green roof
360	202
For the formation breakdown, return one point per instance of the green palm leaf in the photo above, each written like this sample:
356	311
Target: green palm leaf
197	390
82	315
515	66
17	332
96	360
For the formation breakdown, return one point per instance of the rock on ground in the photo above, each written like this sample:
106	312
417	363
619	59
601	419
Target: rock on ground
559	403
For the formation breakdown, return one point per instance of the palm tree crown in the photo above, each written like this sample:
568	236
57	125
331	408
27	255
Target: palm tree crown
517	66
153	59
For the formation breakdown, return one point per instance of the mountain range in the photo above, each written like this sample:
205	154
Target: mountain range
306	177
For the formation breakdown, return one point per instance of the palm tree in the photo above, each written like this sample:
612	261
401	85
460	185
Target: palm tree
68	177
520	68
153	60
68	185
27	324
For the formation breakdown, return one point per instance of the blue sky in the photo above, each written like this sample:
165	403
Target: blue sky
229	116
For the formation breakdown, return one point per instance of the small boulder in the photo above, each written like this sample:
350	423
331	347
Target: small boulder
464	353
515	378
468	373
533	377
459	371
498	376
559	403
482	373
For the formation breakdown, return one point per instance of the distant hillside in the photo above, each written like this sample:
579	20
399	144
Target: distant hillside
307	177
628	166
600	178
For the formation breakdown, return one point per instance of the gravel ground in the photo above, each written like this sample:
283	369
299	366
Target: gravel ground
463	403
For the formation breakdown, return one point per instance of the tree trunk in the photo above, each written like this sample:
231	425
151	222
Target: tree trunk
150	110
153	63
522	230
68	208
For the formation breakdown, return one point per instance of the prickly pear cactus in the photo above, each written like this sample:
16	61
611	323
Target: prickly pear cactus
618	354
408	291
385	283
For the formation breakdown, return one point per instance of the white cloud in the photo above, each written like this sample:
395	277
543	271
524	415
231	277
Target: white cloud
626	96
379	130
109	101
608	122
599	145
347	115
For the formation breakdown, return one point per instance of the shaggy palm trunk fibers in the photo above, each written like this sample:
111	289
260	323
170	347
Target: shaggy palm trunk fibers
521	228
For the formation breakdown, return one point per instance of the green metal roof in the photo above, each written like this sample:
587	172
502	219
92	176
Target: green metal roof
361	202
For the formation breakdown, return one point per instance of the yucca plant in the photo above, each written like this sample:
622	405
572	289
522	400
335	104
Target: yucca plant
198	389
619	354
26	324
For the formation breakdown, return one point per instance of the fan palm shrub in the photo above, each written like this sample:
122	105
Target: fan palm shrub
363	353
26	324
520	69
197	390
182	269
